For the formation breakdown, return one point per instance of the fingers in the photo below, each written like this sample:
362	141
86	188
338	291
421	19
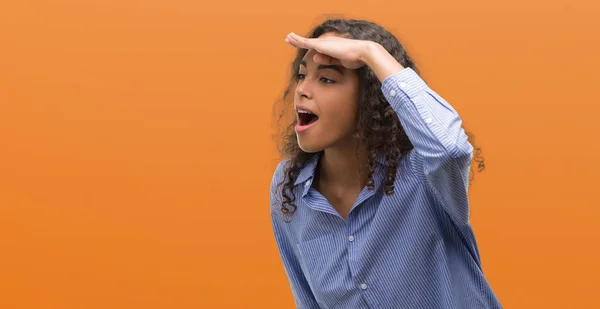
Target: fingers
306	43
319	58
299	41
291	41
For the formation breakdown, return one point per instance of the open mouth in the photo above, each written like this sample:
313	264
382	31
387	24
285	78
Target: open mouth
305	118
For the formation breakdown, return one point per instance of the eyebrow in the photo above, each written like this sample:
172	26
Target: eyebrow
334	67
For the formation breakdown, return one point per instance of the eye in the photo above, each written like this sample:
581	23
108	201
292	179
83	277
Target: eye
325	80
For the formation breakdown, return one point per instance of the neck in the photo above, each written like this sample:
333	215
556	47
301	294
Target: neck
343	166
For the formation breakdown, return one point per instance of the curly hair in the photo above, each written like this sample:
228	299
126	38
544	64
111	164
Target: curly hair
378	126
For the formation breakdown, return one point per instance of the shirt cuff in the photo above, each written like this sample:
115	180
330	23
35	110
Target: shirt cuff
406	84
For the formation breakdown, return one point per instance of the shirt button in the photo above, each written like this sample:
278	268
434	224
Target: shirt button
351	238
402	84
363	286
393	93
428	120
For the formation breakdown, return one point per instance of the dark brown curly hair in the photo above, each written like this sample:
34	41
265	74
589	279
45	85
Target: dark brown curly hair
378	127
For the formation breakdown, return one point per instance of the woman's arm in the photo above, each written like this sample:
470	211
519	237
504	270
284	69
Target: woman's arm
301	291
443	152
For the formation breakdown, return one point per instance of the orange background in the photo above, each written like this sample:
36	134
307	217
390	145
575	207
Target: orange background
136	151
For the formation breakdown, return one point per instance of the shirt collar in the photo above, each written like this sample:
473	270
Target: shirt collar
308	170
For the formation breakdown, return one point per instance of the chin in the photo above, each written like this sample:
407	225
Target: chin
309	147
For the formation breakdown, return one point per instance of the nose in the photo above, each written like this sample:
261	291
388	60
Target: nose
303	89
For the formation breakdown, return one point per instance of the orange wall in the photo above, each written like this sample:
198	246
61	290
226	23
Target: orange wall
136	157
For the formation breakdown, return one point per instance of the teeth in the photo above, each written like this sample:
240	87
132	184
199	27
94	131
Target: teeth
303	112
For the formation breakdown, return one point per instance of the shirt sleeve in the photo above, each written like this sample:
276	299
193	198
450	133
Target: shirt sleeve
301	291
442	153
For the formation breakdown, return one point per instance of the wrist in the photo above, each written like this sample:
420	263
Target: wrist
369	51
380	61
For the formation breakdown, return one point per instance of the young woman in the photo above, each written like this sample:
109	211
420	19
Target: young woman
370	207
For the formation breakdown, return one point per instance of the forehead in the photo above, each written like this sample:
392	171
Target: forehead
328	34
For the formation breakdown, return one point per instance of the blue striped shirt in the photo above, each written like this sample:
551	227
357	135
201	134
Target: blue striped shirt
414	249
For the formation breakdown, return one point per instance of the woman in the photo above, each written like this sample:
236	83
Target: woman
370	208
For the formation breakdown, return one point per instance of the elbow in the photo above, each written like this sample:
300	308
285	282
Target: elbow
462	147
462	150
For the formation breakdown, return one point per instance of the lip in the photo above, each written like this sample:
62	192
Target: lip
304	108
302	128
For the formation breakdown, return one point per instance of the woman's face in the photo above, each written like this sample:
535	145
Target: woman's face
326	103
